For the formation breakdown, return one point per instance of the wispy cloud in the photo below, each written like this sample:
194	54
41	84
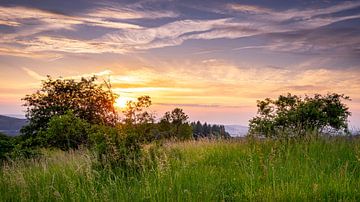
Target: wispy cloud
130	37
132	11
248	8
102	17
30	21
296	14
33	74
167	35
198	105
36	76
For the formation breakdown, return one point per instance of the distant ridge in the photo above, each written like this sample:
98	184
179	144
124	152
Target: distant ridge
19	116
236	130
11	126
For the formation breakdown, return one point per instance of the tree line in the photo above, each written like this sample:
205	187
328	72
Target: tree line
208	130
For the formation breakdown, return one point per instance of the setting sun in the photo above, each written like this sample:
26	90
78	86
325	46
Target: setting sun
122	101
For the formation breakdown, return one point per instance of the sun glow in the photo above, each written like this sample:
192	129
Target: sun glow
121	102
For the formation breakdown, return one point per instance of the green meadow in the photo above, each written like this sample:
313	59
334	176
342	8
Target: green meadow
227	170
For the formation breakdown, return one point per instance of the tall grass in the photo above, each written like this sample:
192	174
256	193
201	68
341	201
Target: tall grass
196	171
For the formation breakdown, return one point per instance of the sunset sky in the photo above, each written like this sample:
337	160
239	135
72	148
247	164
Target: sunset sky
214	58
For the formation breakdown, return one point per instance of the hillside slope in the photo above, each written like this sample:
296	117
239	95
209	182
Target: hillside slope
11	126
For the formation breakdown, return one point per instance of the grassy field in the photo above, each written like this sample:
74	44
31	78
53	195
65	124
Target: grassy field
195	171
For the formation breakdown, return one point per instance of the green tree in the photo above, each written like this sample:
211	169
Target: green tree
293	116
174	124
134	111
178	117
138	121
198	128
87	99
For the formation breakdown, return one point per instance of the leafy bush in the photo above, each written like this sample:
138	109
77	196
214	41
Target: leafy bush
5	146
292	116
12	148
66	132
115	148
185	132
20	151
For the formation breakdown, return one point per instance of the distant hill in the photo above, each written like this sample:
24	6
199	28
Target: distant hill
11	126
236	130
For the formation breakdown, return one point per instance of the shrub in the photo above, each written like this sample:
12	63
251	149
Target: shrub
185	132
5	146
115	148
292	116
66	132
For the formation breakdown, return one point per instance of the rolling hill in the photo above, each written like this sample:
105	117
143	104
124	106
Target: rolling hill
11	126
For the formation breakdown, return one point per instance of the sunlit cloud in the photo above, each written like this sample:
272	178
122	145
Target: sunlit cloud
33	74
9	23
16	16
170	34
224	82
61	44
36	76
135	11
248	8
197	105
14	51
296	14
31	21
39	20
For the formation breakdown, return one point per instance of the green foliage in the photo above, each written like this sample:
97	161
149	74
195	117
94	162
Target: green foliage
138	121
15	148
134	111
115	148
174	125
178	116
292	116
185	132
6	146
21	152
87	99
66	132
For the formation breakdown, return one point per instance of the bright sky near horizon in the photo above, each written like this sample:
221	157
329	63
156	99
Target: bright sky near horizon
212	58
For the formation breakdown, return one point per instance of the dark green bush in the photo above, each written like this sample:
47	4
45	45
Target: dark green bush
15	148
185	132
115	147
65	132
6	146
